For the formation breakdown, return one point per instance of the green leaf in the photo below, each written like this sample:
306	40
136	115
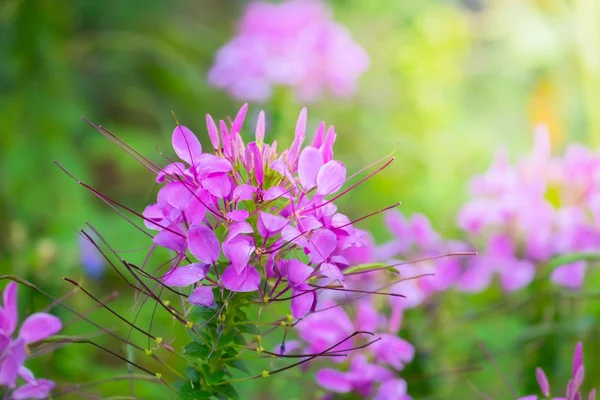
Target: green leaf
215	378
202	314
237	364
571	258
197	350
192	374
366	268
188	392
228	391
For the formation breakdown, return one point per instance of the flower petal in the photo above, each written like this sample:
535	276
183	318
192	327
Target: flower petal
39	326
391	389
333	380
303	299
218	184
330	178
247	280
10	308
38	389
185	275
322	245
297	272
203	244
269	224
203	296
170	240
12	360
308	167
186	144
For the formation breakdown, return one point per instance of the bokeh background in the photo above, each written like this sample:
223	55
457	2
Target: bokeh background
450	83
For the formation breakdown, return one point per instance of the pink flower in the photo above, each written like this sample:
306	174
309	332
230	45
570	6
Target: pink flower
574	384
530	211
13	352
294	43
241	213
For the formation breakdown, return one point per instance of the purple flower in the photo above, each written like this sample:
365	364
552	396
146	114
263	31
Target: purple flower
242	213
573	386
294	43
539	207
368	373
13	350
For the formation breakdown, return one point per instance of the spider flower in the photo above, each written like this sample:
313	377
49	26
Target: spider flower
242	210
530	211
294	43
370	372
417	253
13	349
573	391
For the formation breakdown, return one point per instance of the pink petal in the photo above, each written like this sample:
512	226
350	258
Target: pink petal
243	192
332	272
203	244
367	318
333	380
38	389
238	251
269	224
391	389
569	275
319	135
260	128
542	381
394	351
327	149
577	357
248	280
218	184
185	275
297	272
153	213
209	164
39	326
303	299
171	170
516	274
236	126
186	144
238	215
26	374
10	308
323	243
196	211
173	241
203	296
308	167
299	137
330	178
213	133
13	359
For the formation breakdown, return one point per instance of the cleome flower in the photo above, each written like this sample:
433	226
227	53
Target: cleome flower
529	212
295	44
247	213
573	386
370	370
14	351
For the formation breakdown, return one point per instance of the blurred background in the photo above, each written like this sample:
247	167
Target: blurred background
450	83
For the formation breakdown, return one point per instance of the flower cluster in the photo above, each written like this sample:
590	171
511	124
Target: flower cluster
574	384
529	212
294	43
14	350
249	214
370	370
421	258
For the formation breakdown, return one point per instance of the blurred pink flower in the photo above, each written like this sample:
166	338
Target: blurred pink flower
295	43
530	211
